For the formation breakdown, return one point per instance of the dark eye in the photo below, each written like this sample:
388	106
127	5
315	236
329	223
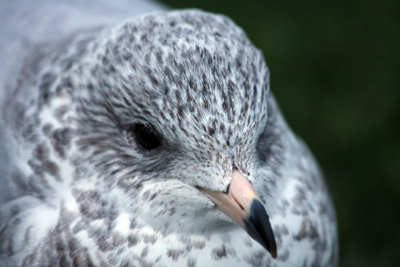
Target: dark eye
145	137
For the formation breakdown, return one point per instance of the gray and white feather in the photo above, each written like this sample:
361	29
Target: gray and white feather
111	123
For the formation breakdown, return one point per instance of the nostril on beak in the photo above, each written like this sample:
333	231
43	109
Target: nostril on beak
227	189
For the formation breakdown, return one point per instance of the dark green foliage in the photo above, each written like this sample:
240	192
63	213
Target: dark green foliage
335	68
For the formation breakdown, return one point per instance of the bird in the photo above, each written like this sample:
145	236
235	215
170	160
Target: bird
135	135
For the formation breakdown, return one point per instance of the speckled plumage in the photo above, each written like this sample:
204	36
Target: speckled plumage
78	189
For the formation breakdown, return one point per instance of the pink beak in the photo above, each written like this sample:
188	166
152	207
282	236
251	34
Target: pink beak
245	207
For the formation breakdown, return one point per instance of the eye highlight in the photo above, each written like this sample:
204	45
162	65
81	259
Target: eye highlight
145	137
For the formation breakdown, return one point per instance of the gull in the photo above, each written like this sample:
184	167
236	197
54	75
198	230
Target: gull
132	135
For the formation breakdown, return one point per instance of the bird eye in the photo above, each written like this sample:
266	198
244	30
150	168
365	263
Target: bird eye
145	137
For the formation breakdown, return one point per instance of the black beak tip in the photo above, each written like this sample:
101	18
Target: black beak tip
259	228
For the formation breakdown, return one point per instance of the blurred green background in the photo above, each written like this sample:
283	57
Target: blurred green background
335	68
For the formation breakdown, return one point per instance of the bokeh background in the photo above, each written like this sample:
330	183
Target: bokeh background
335	68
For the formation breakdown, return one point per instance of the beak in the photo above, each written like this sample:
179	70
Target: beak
244	206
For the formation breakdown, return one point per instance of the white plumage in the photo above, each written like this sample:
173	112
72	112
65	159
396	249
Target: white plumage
122	134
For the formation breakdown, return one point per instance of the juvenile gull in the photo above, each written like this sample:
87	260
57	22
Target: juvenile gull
152	139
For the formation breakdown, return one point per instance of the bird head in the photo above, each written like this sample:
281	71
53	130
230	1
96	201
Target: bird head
173	111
